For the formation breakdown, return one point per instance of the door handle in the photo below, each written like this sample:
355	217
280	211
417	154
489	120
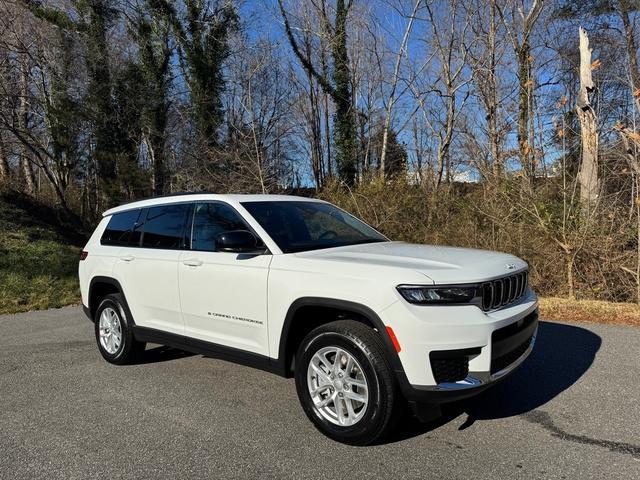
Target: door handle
192	262
127	258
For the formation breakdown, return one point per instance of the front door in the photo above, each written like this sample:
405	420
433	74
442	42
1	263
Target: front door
223	295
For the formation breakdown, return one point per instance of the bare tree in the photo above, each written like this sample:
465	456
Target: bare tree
394	85
448	29
588	174
520	23
485	60
338	86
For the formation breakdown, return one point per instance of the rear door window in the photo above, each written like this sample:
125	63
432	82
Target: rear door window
120	228
164	226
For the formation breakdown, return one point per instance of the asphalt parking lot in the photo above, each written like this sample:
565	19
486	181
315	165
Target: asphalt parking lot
571	411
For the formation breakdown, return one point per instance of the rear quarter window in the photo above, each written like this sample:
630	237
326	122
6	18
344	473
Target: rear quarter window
120	228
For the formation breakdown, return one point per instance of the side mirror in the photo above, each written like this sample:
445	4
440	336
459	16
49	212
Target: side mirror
238	241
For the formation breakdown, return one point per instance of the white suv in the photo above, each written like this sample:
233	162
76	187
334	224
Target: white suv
302	289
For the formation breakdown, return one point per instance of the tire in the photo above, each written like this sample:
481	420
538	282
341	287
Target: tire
112	318
366	374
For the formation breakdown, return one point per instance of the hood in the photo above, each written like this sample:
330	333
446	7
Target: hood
442	265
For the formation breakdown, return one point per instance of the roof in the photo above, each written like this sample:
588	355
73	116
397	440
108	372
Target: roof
195	197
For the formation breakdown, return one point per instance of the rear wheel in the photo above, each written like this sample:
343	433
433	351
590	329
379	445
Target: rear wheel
345	383
114	332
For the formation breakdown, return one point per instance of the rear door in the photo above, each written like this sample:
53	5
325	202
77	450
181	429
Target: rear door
148	269
223	295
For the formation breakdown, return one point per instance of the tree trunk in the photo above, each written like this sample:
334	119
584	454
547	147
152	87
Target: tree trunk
326	119
394	85
157	138
492	96
525	85
4	163
418	150
158	175
444	169
327	134
23	121
634	71
588	173
522	49
345	127
315	139
570	283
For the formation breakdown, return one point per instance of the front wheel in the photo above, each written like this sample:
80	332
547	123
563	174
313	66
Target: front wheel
345	384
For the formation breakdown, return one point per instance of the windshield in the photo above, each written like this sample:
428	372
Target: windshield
301	226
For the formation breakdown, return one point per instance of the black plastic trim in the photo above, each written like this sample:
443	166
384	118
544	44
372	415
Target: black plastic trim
358	308
447	354
426	395
201	347
110	281
503	345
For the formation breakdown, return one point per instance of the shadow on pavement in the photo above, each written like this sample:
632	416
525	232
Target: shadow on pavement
562	354
163	354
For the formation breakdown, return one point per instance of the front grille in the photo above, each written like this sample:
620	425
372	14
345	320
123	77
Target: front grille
502	362
450	369
503	291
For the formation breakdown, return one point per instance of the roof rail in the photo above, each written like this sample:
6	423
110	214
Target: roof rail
176	194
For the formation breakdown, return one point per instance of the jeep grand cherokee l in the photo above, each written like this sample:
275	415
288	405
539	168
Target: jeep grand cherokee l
300	288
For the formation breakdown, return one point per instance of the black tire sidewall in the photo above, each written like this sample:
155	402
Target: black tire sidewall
122	355
372	421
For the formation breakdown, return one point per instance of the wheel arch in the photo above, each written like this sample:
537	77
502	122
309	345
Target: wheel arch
307	313
99	287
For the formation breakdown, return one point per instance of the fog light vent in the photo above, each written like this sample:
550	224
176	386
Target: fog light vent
449	366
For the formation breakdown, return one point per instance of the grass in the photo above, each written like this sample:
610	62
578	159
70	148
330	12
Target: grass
564	310
38	265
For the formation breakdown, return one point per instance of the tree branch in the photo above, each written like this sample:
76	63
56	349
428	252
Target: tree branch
306	62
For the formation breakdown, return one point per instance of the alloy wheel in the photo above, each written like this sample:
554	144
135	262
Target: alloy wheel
110	330
338	386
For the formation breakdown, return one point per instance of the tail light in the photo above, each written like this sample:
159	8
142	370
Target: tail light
83	254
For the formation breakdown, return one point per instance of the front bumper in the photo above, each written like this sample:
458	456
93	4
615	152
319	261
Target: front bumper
496	344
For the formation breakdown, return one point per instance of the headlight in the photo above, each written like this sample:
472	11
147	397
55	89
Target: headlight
435	295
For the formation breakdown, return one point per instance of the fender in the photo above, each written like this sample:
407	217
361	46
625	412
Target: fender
415	396
90	309
358	308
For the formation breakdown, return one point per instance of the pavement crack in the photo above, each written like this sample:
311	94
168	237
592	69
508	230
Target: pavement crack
543	419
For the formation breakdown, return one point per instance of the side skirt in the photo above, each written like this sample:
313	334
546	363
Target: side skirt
208	349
